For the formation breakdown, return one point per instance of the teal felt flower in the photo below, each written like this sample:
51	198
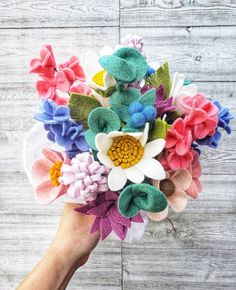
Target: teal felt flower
101	120
143	196
126	65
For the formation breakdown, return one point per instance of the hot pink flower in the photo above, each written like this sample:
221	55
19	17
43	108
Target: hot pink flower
195	170
46	173
72	70
202	116
46	64
81	88
178	144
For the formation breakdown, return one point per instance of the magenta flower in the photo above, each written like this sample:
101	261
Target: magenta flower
108	217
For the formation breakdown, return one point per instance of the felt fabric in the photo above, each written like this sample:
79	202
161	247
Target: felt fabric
50	113
85	178
73	70
161	78
202	115
80	88
46	192
133	41
125	64
108	218
81	106
146	166
158	130
136	197
179	90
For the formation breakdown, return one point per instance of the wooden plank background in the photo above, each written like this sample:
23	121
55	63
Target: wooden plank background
198	37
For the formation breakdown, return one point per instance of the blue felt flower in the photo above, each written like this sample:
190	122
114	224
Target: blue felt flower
224	117
140	114
69	135
50	113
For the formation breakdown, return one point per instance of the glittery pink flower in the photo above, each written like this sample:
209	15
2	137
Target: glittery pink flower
46	173
45	64
108	217
201	115
85	177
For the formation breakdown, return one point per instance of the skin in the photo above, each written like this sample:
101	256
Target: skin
69	251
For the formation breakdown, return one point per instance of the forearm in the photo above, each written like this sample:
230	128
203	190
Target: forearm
50	273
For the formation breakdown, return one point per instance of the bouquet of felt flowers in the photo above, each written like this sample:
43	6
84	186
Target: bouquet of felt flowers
118	136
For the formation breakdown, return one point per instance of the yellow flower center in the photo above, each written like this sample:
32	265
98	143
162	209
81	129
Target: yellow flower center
99	78
55	173
126	151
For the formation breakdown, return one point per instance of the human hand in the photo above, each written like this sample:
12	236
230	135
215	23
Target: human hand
73	242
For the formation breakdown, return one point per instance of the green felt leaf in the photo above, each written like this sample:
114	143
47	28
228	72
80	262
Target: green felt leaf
158	130
161	77
121	100
103	120
81	106
107	92
136	197
125	64
90	138
148	99
130	128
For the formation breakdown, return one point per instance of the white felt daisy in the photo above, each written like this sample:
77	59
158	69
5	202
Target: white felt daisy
130	157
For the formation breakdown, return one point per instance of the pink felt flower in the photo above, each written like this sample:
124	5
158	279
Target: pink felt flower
72	70
175	189
178	144
47	88
201	114
46	173
45	64
81	88
195	170
108	217
85	177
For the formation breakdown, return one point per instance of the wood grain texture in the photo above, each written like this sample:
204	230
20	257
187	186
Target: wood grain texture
58	13
202	53
202	254
157	13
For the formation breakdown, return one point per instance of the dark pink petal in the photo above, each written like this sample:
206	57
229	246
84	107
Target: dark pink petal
137	219
101	209
105	227
95	226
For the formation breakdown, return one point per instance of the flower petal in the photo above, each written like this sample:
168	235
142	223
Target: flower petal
103	142
47	193
52	155
117	179
158	216
134	174
178	200
40	169
154	148
143	139
151	168
105	160
182	179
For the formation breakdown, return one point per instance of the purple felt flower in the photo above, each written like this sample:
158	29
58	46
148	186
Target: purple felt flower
108	217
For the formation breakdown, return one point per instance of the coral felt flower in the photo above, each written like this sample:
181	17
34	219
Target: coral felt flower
80	88
195	170
46	64
85	177
129	156
72	69
46	173
179	91
108	218
175	189
201	115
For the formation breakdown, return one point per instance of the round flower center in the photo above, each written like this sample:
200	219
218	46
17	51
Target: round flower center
55	173
167	187
126	151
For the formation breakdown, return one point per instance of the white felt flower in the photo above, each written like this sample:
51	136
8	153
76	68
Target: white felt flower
96	76
179	91
130	157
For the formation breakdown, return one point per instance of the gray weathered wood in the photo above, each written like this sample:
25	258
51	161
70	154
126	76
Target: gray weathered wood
58	13
202	254
177	13
202	53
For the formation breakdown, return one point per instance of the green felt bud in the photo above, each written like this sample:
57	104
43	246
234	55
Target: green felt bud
136	197
126	65
81	106
158	130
